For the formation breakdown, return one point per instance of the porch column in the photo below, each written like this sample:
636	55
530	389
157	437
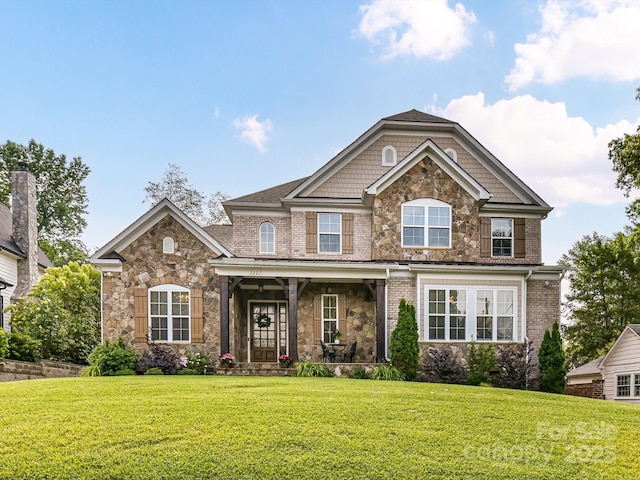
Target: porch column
381	302
224	314
293	318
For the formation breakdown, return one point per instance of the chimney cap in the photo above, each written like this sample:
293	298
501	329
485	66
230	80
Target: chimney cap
23	166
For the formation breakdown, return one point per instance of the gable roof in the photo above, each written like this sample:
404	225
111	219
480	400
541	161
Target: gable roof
6	238
631	329
108	254
414	115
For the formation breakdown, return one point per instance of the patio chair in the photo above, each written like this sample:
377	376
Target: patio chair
351	353
326	353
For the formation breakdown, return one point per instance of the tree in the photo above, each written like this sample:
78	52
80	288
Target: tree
551	358
61	196
62	313
404	346
176	187
604	293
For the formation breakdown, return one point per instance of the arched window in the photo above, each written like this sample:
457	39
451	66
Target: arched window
168	245
426	222
267	238
452	154
389	156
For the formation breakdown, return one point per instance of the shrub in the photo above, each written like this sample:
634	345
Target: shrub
154	371
90	371
187	371
4	343
514	363
124	372
159	356
445	367
112	357
310	369
482	358
359	372
386	372
551	356
197	362
404	346
23	347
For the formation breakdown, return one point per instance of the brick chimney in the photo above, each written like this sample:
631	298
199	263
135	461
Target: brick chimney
25	228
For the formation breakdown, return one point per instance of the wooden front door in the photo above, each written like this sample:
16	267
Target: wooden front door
268	334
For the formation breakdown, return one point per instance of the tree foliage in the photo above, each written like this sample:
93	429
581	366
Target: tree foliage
61	196
62	313
624	152
553	373
175	186
604	294
404	345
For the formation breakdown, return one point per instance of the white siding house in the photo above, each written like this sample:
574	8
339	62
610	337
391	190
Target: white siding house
621	367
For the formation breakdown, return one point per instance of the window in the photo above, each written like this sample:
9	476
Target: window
329	232
468	313
624	386
389	156
267	238
329	317
637	385
502	237
168	245
426	223
169	315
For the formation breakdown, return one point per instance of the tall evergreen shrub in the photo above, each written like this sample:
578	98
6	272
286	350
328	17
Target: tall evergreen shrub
482	358
404	346
553	373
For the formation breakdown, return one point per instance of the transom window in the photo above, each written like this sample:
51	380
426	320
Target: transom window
463	313
426	223
329	318
267	238
169	314
502	237
329	232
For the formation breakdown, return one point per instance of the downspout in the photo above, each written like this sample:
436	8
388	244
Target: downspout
386	316
101	307
524	304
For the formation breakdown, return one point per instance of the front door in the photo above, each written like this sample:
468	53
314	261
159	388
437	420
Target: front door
268	331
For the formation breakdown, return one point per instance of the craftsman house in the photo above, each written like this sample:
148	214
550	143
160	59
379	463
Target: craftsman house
414	208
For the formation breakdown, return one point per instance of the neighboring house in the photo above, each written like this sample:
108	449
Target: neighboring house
414	208
616	376
21	261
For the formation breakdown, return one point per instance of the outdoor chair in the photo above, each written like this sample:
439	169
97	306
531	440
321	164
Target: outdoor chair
326	353
351	353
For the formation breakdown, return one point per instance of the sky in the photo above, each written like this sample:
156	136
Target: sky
244	95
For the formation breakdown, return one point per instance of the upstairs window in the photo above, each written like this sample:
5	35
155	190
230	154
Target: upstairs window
426	223
329	232
267	238
169	313
501	237
389	156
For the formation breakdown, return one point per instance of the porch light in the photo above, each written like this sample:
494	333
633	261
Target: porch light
260	288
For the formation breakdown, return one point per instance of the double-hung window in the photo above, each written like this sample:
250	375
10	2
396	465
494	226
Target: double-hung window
426	223
329	318
623	386
267	238
169	314
329	232
470	313
637	385
502	237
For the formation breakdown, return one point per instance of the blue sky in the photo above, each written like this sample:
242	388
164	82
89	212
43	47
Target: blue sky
244	95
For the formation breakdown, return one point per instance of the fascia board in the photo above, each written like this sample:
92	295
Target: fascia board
142	224
504	209
431	150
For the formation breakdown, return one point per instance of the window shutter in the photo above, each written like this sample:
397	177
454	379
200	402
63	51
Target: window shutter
519	250
342	315
317	317
347	233
141	317
196	316
312	232
485	237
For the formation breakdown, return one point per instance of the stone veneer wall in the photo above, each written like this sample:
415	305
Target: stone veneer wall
147	266
425	180
17	370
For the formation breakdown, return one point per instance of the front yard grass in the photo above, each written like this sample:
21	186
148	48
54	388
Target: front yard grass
190	427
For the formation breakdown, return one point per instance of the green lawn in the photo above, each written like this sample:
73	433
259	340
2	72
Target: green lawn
246	427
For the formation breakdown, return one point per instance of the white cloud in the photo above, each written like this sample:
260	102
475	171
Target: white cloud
580	38
563	158
254	132
415	27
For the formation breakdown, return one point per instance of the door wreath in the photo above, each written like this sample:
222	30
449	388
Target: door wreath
263	320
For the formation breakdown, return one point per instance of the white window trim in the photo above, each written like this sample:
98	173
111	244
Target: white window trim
336	320
452	154
169	288
394	160
168	245
338	234
631	385
426	203
512	238
273	231
471	317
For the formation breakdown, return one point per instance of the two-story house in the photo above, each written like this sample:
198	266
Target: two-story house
414	208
